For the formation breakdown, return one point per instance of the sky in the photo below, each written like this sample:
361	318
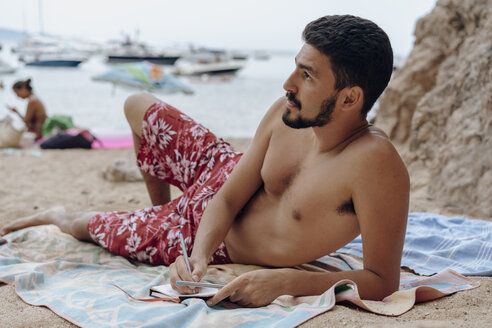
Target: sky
231	24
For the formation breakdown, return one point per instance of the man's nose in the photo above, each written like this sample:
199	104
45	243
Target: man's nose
289	84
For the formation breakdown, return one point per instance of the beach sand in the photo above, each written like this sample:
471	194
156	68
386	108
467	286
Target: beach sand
73	178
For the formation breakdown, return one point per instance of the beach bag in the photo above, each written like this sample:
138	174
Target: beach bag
71	138
56	122
9	136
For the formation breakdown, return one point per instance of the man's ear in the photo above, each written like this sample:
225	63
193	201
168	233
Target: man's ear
352	98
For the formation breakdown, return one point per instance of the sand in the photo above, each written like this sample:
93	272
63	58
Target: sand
74	178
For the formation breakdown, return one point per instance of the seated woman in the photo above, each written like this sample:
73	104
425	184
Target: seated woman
35	112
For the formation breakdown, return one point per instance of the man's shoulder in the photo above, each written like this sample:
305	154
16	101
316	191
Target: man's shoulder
277	107
373	142
377	176
271	118
374	151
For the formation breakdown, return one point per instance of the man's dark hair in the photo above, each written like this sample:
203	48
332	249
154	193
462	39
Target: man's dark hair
359	51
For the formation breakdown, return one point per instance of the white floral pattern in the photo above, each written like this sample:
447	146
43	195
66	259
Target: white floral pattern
132	243
181	152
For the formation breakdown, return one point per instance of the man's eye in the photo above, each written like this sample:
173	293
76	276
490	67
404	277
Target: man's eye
307	76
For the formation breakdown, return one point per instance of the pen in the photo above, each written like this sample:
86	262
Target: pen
185	254
199	284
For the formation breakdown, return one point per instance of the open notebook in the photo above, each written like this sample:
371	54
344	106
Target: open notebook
167	291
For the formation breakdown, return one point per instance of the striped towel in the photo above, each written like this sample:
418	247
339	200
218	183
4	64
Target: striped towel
436	242
80	282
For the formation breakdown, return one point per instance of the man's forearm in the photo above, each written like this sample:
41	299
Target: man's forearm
303	283
214	226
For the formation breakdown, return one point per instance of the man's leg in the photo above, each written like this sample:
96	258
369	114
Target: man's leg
74	223
135	108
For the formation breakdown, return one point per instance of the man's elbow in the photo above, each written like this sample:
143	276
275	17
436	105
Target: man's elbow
387	290
380	289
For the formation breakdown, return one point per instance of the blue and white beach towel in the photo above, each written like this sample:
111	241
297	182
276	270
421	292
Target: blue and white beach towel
77	280
435	242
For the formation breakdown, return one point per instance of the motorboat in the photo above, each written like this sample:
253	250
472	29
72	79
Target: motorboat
213	68
39	44
131	52
53	60
55	63
35	44
239	55
205	61
156	59
261	55
42	50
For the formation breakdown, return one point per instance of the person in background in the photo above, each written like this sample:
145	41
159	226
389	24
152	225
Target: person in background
35	112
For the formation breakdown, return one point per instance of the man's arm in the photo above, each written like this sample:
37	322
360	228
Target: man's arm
380	190
381	197
220	213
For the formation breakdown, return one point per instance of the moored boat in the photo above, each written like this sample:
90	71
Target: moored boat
6	68
53	60
130	51
216	68
55	63
156	59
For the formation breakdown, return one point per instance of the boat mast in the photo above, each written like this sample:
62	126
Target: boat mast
24	20
40	11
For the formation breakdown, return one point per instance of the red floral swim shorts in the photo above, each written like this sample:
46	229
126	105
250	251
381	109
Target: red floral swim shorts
183	153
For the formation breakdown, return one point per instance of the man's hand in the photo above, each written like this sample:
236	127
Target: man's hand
252	289
179	271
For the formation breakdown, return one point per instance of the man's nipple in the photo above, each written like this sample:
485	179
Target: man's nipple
296	215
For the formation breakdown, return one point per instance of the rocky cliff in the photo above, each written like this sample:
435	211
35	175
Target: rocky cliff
438	109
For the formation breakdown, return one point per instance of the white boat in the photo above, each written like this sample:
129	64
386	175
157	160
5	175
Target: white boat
6	68
35	44
130	51
205	61
214	68
42	50
60	59
261	55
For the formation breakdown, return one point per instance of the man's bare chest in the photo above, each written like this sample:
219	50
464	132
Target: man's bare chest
305	182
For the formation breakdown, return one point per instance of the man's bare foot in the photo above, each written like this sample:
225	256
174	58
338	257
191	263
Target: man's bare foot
46	217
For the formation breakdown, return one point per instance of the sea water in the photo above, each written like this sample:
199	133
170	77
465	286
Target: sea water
231	107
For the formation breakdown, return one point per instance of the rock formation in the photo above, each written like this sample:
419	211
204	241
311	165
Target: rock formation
122	170
438	109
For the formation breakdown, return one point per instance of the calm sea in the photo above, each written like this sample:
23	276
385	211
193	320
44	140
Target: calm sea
230	108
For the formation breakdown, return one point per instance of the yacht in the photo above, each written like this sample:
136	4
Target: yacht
131	52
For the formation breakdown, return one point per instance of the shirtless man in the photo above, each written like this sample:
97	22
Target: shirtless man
314	177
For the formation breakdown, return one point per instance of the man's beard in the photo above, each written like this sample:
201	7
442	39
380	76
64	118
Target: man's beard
323	117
